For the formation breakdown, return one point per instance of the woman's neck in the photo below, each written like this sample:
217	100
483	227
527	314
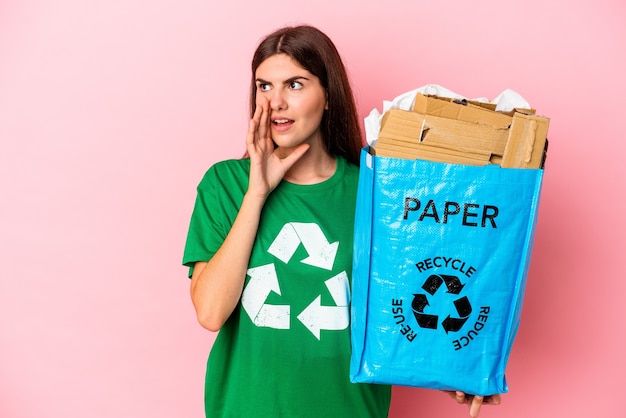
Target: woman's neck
315	166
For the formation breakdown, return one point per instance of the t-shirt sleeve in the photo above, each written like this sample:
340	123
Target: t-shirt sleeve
206	229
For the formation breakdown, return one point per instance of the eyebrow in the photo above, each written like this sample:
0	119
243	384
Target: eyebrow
289	80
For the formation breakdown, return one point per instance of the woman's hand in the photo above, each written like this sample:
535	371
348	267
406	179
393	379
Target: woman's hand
474	402
267	167
217	285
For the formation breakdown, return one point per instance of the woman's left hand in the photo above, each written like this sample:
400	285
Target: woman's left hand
474	402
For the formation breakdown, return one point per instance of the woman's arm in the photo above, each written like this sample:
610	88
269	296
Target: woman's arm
216	285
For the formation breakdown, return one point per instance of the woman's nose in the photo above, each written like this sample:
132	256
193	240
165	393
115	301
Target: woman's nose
277	100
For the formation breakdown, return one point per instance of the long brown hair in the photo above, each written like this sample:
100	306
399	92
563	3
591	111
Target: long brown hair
316	53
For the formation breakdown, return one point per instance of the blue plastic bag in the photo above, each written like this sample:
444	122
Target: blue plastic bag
441	255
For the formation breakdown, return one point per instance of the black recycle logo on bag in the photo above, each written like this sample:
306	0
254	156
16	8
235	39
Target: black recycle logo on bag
431	286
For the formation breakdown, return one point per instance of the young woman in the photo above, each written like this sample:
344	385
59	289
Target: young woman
270	244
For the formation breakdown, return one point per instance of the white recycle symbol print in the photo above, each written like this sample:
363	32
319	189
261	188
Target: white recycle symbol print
264	280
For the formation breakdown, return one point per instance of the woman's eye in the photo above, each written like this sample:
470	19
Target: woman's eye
264	87
295	85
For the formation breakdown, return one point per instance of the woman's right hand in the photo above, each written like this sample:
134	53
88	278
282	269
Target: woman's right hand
217	285
267	168
474	402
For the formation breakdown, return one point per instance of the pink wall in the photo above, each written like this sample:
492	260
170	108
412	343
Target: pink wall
111	111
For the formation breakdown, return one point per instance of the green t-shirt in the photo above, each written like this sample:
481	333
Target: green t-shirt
285	350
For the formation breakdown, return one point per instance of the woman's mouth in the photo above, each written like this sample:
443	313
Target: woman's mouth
282	124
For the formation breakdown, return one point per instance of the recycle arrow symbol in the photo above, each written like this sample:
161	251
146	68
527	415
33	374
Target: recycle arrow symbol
263	281
434	281
464	309
453	284
317	317
431	285
321	252
423	320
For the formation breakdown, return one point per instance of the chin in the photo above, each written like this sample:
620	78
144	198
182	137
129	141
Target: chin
286	143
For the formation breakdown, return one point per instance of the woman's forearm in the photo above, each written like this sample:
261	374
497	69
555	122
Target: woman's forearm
216	285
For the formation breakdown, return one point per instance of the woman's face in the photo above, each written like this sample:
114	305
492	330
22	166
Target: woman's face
296	100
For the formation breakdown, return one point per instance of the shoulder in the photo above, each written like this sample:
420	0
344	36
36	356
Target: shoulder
350	171
226	172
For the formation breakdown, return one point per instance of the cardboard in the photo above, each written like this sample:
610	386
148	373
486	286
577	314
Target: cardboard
527	143
467	111
463	132
431	154
417	128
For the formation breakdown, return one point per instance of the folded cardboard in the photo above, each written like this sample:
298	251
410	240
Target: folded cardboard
527	144
463	132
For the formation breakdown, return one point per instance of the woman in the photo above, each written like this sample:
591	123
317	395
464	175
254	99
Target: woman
270	244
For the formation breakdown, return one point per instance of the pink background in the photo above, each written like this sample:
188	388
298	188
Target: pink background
110	112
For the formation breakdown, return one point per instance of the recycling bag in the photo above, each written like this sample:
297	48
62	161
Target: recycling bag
441	255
